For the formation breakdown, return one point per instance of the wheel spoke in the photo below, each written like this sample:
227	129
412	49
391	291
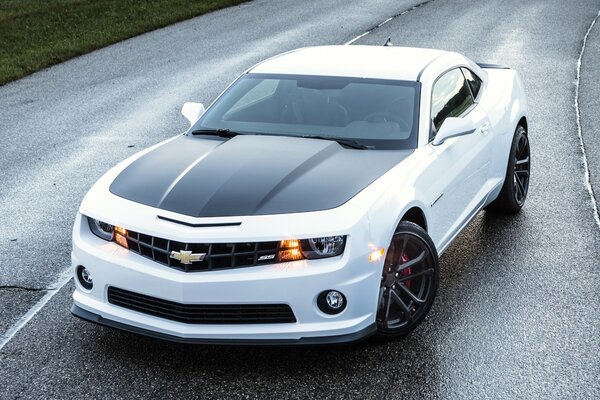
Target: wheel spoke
415	275
523	161
523	173
387	306
411	294
396	298
522	146
410	263
404	242
520	187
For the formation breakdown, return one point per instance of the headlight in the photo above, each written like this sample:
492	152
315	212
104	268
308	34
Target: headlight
101	229
108	232
330	246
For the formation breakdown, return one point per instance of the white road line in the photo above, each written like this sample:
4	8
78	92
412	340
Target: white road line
358	37
65	277
586	167
386	21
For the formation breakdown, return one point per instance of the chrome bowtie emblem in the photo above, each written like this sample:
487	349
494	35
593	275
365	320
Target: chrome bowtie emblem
187	257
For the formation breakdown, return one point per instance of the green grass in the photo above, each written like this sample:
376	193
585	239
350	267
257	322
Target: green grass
35	34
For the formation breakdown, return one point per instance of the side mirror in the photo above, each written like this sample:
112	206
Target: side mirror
453	127
192	111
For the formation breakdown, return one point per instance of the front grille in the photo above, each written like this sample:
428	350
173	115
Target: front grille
202	313
218	256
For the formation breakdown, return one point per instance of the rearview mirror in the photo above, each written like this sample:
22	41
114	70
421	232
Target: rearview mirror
453	127
192	111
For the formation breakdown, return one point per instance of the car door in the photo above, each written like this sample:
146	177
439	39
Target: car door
460	167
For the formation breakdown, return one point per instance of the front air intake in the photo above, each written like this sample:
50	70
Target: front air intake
213	314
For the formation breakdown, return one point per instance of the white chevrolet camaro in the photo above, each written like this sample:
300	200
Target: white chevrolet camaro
308	204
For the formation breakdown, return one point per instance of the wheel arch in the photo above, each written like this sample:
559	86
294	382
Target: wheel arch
523	122
416	216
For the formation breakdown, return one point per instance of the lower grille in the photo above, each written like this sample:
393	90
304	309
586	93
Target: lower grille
214	314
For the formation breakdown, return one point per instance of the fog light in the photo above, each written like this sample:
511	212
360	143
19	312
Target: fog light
331	302
335	299
85	277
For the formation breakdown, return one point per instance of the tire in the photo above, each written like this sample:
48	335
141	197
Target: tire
409	282
516	181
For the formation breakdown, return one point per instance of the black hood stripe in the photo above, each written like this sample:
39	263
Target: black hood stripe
179	177
310	163
251	175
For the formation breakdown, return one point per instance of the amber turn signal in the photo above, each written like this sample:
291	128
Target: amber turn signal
121	236
376	255
289	250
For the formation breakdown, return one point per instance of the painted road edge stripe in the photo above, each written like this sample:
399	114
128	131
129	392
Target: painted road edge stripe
586	167
64	277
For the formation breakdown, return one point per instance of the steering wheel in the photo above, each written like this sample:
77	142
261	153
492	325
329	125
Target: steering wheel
386	116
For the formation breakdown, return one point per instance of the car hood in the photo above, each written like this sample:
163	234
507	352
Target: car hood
251	175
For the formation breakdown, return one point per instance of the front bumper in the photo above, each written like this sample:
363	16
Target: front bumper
317	340
296	284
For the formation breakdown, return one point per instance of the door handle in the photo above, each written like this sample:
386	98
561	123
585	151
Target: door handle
484	128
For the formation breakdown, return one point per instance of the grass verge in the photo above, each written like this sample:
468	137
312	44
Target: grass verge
35	34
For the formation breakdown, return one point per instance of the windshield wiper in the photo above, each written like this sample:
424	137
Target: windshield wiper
343	141
226	133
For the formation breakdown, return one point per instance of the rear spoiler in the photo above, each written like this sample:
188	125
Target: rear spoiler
492	66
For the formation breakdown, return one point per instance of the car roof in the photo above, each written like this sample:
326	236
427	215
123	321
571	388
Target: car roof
379	62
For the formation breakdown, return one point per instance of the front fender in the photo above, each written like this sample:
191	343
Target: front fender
387	212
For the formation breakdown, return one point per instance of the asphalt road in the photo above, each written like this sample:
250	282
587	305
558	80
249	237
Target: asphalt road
518	310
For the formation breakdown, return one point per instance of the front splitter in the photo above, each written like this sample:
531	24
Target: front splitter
305	341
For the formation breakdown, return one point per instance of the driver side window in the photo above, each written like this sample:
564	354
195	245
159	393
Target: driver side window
450	98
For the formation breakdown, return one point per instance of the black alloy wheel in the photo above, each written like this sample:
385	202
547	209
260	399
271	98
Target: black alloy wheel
516	182
521	170
409	281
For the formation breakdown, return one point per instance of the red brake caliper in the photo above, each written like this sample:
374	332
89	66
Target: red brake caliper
407	271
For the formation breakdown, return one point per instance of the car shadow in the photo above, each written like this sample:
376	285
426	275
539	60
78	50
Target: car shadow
402	364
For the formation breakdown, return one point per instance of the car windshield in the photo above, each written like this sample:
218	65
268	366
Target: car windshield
379	114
